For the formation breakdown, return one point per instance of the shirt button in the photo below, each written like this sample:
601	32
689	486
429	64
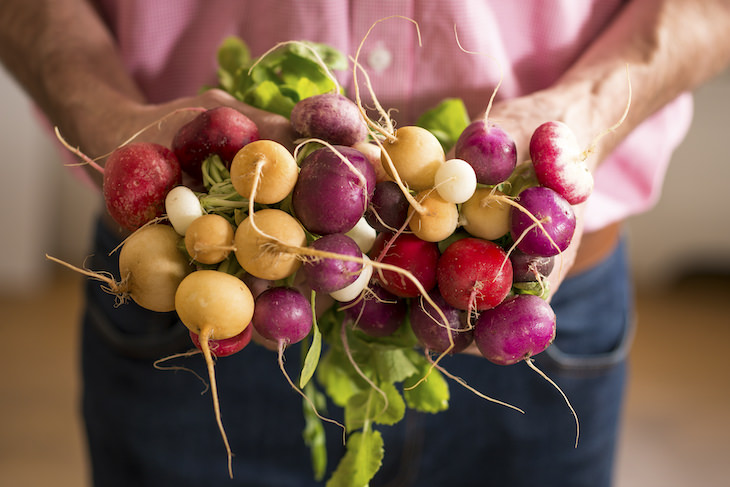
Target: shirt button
379	58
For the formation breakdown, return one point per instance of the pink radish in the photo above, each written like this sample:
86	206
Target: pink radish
560	162
225	346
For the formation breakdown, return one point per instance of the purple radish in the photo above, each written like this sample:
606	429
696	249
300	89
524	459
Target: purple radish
331	117
528	268
326	275
329	196
560	163
433	335
519	328
378	314
282	315
489	150
388	208
556	217
222	131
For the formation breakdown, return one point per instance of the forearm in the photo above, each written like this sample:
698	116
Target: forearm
66	60
670	47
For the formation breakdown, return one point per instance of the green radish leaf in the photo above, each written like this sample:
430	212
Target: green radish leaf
361	462
233	55
446	121
268	96
392	365
315	350
370	406
339	379
314	435
431	395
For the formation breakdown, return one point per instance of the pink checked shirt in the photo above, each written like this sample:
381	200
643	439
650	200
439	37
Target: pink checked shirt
169	47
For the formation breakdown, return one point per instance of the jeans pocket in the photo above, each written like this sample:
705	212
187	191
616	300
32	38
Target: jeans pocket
595	318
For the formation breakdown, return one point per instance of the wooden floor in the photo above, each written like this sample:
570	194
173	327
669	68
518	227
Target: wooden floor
676	428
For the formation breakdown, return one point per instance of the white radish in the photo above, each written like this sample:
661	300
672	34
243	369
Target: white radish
182	207
455	180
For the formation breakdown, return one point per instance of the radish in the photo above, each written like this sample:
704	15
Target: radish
527	268
220	131
214	305
413	154
258	244
355	289
437	220
486	214
388	208
455	181
556	219
331	117
432	334
282	315
151	267
267	164
411	254
346	177
474	274
327	275
137	178
209	239
363	234
516	330
519	328
489	150
225	346
378	313
182	206
560	162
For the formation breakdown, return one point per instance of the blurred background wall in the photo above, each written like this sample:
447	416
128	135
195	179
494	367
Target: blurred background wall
46	210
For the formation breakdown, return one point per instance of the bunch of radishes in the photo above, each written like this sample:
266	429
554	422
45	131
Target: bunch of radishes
375	219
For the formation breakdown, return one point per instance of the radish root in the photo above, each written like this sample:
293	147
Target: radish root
531	363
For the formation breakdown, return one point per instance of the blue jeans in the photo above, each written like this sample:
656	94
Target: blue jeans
149	427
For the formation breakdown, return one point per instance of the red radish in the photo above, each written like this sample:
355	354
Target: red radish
378	313
411	254
560	162
137	178
432	334
489	150
225	346
331	117
519	328
331	195
327	275
557	222
474	274
222	131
